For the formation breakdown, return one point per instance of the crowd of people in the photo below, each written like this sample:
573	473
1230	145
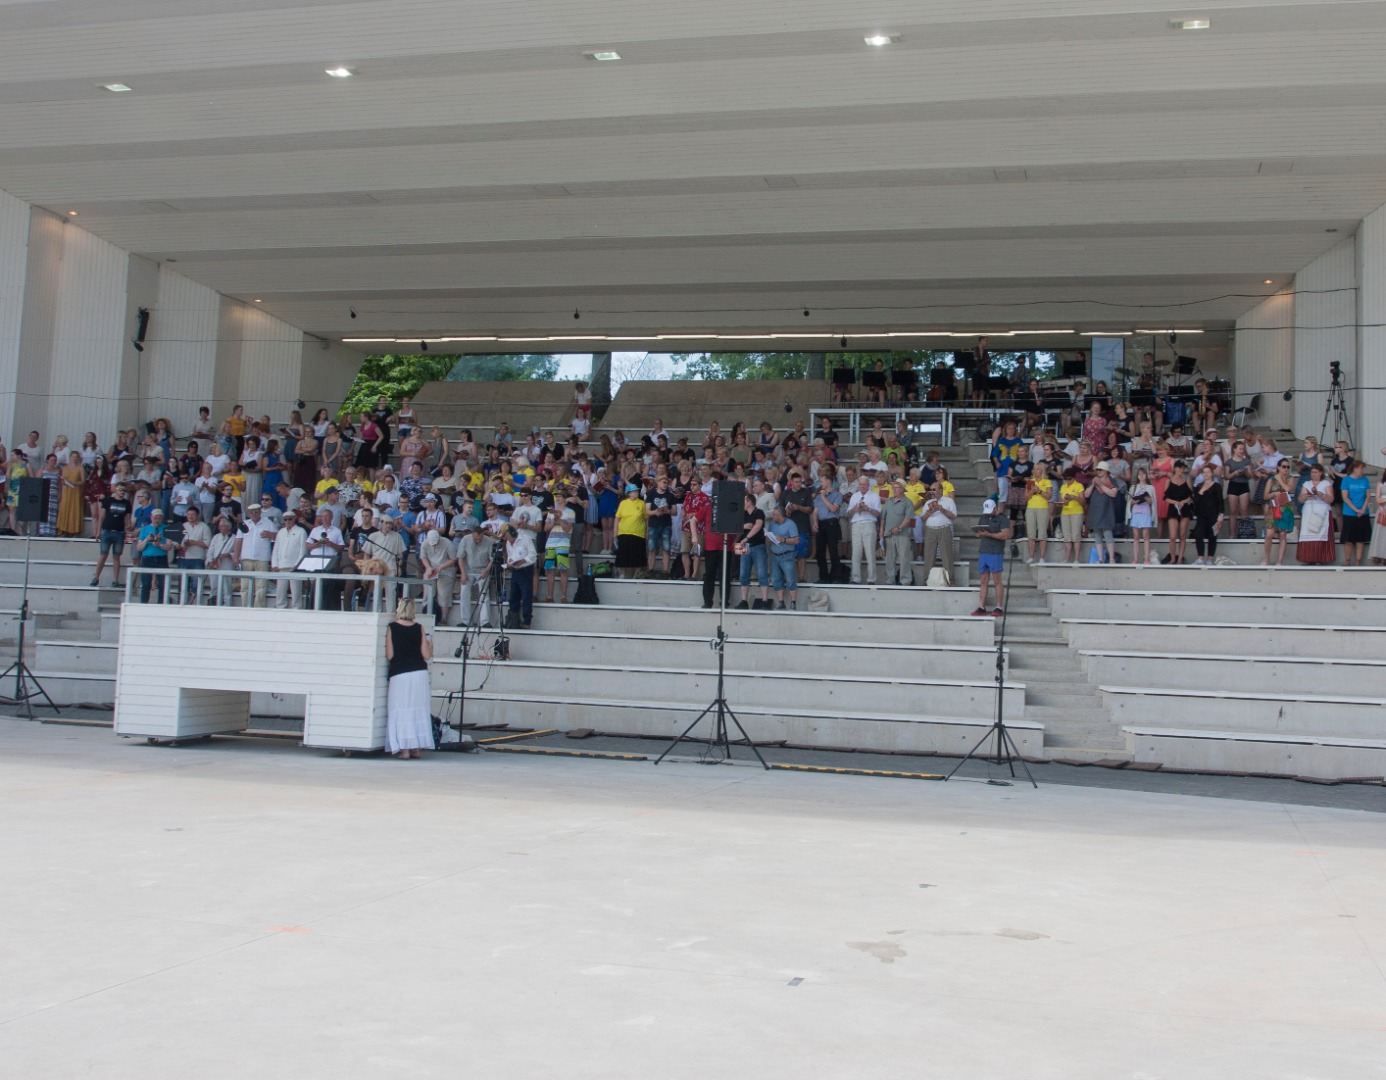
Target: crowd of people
1114	477
375	494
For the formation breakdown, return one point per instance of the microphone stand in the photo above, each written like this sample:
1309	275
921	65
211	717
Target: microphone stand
471	632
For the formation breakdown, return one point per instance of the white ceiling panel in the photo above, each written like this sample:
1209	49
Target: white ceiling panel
478	159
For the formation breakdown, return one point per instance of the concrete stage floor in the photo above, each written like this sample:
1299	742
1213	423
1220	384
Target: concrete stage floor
250	909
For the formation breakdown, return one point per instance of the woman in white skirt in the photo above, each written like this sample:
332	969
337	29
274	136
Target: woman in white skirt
409	727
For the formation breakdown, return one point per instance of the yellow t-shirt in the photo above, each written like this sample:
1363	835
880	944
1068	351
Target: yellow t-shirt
948	488
1072	488
321	489
1039	499
630	517
237	425
915	493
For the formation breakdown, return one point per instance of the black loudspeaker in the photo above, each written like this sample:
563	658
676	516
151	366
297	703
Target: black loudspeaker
728	506
30	504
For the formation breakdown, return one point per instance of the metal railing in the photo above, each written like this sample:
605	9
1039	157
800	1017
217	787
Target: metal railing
941	421
251	588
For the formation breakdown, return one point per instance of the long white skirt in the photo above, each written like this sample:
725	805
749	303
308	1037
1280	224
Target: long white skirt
410	720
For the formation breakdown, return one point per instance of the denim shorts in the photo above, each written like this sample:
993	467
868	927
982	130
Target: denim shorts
112	540
989	564
659	535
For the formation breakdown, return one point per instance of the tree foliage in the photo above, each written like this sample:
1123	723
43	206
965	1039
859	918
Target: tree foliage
395	376
398	375
505	368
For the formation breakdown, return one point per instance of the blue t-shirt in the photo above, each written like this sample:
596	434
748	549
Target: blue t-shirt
153	551
1355	488
788	531
1004	452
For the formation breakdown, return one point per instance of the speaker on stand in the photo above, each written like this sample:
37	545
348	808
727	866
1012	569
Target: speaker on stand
728	507
29	506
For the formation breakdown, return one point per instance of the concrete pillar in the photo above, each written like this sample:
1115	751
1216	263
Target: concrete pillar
816	368
600	383
1263	358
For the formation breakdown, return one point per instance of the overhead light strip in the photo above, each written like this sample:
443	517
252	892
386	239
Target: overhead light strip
755	336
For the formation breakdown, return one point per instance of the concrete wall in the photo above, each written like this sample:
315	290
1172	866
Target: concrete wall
1369	417
68	309
1325	314
482	405
1263	358
695	404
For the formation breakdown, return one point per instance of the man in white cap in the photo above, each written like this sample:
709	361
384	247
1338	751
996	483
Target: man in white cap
993	530
286	554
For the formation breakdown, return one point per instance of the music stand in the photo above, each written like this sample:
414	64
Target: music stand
876	380
844	376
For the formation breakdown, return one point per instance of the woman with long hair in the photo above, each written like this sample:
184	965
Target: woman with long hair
1238	470
73	481
1140	516
98	486
1279	501
1179	496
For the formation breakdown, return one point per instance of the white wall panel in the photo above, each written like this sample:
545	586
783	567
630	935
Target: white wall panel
1264	358
181	356
89	337
1370	421
327	375
271	362
1325	314
14	246
41	291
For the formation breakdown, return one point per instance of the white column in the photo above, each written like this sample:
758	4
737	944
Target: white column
1263	361
14	261
1325	330
1369	416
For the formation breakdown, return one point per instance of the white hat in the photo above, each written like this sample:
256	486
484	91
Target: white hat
989	507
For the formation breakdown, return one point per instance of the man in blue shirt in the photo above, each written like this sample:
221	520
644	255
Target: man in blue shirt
827	506
782	535
153	547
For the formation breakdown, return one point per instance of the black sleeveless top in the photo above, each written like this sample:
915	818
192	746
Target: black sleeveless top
408	649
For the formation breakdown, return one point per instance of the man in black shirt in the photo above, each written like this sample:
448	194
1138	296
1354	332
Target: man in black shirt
797	502
115	523
751	548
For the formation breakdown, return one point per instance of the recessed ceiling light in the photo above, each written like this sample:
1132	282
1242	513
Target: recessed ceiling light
116	87
882	40
258	300
1190	24
1268	281
603	54
72	213
340	72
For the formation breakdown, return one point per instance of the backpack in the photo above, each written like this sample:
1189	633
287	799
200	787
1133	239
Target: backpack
586	590
939	578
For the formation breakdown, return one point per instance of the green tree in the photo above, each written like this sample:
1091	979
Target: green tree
784	365
395	376
502	367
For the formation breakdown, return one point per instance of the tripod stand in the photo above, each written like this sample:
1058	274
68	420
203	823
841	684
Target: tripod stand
1006	750
490	585
23	677
718	707
1336	406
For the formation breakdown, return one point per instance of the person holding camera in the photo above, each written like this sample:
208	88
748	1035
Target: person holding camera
520	557
153	547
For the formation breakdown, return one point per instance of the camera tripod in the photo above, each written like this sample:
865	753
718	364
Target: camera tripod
26	686
1336	406
489	588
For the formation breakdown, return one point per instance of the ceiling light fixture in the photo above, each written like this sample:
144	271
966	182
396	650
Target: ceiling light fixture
602	55
1268	281
880	41
116	87
340	72
352	312
1190	24
72	213
257	300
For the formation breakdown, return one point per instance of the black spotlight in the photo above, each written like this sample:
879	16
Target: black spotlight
423	346
788	406
806	313
843	343
576	313
141	328
1289	394
352	312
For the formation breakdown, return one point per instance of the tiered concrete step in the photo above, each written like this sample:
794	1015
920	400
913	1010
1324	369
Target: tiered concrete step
1332	580
842	599
1265	607
768	654
1058	695
56	548
51	571
855	711
1283	639
636	622
1238	673
50	599
1263	713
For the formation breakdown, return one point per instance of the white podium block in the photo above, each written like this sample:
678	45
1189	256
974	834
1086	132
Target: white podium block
186	671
